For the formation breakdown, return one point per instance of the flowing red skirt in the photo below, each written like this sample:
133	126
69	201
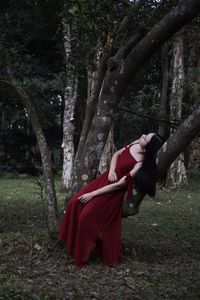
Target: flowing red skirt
96	224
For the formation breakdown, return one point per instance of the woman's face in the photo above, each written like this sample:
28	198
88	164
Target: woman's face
145	139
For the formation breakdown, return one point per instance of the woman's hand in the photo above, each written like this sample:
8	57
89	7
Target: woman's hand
112	176
86	197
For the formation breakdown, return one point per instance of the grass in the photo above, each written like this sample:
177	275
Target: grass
160	248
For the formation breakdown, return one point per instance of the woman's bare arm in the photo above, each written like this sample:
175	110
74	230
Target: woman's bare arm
110	187
106	189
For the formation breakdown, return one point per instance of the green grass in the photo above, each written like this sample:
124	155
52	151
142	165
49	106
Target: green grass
160	248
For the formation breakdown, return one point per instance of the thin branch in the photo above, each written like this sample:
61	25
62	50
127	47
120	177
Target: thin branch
5	81
173	123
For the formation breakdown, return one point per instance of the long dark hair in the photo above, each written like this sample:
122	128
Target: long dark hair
145	179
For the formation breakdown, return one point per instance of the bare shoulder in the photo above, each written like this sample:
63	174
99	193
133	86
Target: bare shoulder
120	150
134	143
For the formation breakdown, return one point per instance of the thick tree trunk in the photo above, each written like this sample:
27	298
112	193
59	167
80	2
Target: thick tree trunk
44	151
177	175
108	152
70	98
95	81
116	82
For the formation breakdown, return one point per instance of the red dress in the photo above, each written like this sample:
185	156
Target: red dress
98	222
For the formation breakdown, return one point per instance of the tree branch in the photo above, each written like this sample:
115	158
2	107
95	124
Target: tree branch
174	123
180	15
184	134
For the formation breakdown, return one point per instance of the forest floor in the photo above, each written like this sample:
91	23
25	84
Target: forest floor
160	248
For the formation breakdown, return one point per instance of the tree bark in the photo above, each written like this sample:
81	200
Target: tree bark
177	174
95	81
108	152
193	91
68	132
180	139
70	98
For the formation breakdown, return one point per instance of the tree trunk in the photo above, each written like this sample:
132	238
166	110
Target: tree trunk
177	174
70	98
95	81
193	67
116	81
177	142
108	152
44	151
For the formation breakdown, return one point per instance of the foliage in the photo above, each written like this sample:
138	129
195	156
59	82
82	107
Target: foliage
33	45
91	24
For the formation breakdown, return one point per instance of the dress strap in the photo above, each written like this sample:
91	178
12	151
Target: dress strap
139	160
131	145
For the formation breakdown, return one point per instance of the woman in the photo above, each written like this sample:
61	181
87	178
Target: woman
93	215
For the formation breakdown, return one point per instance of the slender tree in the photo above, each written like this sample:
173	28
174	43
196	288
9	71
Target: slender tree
70	98
44	150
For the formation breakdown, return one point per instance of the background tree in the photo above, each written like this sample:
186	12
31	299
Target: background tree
25	71
177	174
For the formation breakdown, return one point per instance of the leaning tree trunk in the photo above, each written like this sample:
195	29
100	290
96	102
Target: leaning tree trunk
177	174
177	142
70	98
127	65
44	150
